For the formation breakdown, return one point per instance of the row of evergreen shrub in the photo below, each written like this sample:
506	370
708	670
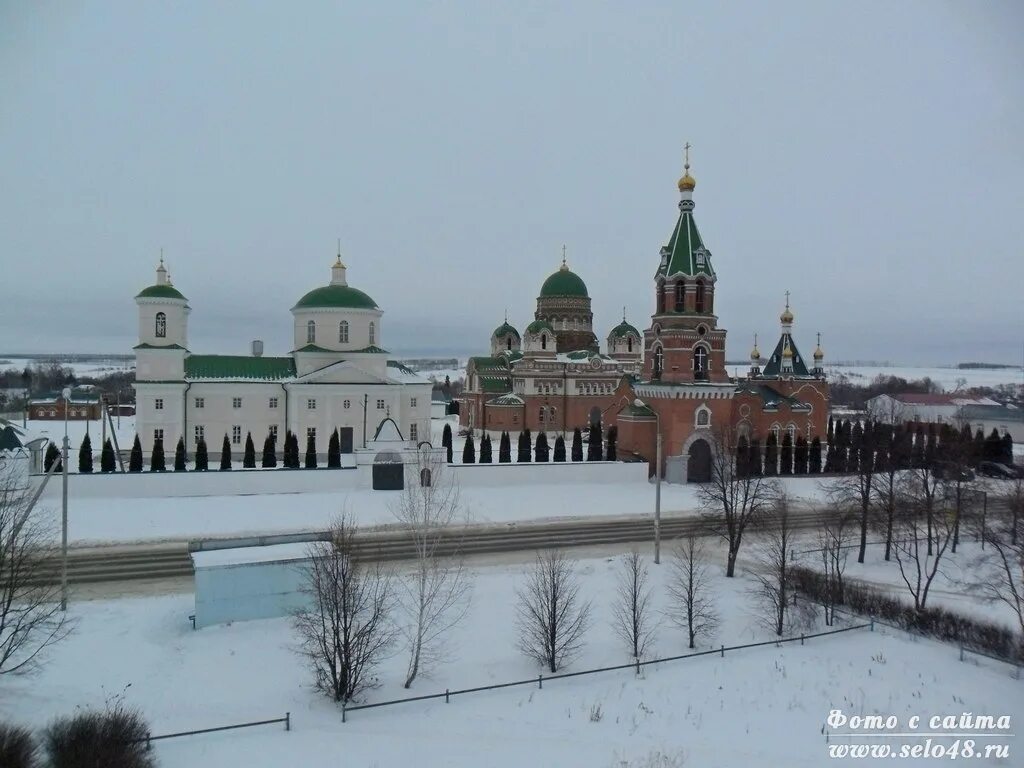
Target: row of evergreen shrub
540	451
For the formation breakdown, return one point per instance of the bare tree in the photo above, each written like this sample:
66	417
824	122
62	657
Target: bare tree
735	496
856	489
775	563
552	617
693	604
833	539
632	615
347	628
1014	498
921	534
433	595
999	573
30	616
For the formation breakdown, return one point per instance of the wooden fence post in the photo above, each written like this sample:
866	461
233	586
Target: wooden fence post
723	651
343	712
540	681
287	721
445	695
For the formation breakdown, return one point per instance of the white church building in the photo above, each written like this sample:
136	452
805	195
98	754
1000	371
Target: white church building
338	376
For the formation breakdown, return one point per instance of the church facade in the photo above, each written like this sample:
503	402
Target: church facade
677	387
553	376
338	376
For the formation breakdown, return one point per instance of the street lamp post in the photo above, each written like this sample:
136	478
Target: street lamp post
64	509
657	481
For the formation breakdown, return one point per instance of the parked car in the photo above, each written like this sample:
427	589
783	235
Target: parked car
997	470
948	470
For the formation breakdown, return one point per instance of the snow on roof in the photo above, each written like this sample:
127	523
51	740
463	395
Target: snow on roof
940	398
272	553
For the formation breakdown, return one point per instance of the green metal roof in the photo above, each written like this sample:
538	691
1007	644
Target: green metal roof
683	247
772	398
239	367
774	365
539	325
507	401
334	296
624	329
312	348
564	282
495	384
637	412
504	329
489	363
160	292
373	349
158	346
9	439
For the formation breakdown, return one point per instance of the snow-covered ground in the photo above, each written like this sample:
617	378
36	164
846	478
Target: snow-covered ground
105	520
98	367
54	430
762	706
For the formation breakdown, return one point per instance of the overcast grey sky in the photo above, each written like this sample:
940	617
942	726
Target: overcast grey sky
867	156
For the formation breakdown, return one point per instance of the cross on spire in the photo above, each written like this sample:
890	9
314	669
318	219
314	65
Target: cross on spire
623	314
787	299
563	254
686	155
161	257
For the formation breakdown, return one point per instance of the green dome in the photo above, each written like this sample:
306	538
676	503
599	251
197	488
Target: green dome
505	329
564	282
160	292
624	329
539	325
336	296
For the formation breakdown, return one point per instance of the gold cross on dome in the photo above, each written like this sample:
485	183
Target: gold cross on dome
686	155
563	254
787	299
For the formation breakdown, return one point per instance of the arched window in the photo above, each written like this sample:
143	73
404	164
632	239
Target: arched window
373	333
425	477
629	343
161	325
543	411
343	332
698	303
659	363
663	304
700	363
543	341
311	332
703	417
681	296
508	343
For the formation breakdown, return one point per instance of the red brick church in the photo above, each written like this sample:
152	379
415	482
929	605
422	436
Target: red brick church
681	383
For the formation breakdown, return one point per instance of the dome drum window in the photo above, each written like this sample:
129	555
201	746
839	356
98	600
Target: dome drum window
161	325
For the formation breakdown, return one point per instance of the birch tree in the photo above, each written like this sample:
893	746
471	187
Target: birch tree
434	593
632	615
692	598
774	566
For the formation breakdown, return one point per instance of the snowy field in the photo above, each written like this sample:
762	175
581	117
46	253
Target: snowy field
98	367
950	379
757	707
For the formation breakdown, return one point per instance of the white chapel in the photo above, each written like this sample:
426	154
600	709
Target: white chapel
338	376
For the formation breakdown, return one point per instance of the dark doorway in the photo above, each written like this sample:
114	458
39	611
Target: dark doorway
698	464
345	439
595	416
388	472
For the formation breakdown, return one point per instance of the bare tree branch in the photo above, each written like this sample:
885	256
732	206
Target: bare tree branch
922	533
30	616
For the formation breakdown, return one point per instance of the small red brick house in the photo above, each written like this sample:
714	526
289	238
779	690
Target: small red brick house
81	406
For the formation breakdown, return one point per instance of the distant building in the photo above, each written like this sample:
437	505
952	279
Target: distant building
940	408
1005	419
83	404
